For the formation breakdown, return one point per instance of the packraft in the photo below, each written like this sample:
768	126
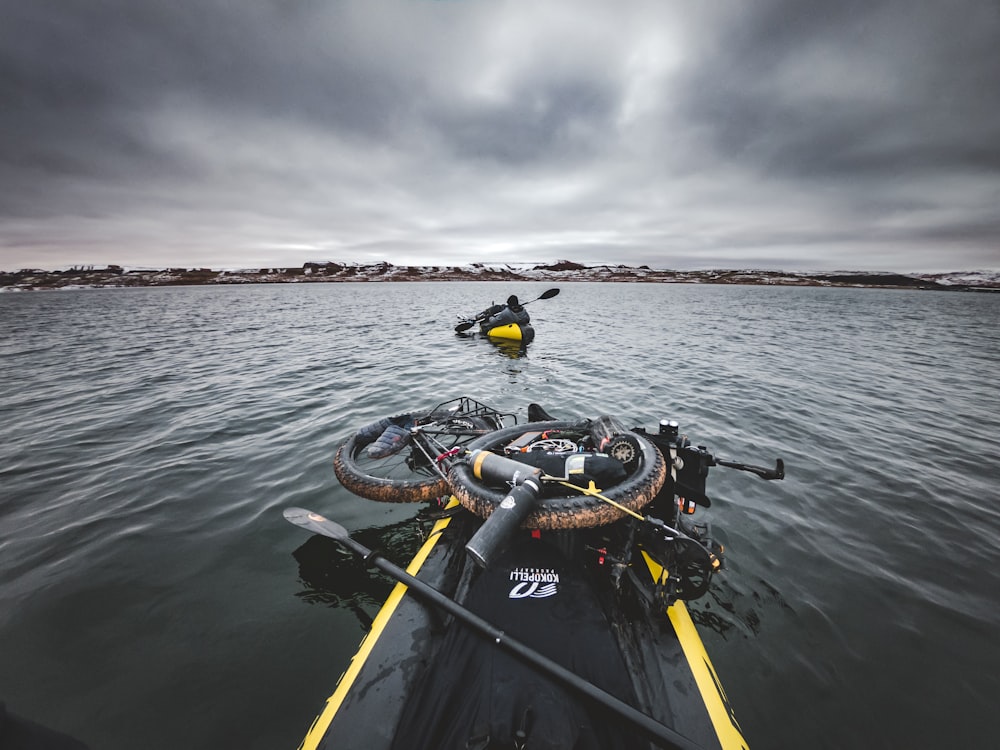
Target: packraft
571	630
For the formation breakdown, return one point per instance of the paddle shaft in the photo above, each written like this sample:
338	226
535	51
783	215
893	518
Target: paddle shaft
662	735
548	294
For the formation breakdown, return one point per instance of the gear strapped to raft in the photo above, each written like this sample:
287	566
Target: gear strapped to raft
548	475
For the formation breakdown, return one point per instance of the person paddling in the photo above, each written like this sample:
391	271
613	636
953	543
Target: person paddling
507	321
501	315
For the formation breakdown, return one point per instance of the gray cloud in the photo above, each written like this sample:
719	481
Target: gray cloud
782	134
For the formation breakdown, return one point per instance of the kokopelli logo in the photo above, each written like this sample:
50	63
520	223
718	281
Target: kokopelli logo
534	583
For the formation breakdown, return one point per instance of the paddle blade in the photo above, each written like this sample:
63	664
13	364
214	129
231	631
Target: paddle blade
464	326
549	294
316	523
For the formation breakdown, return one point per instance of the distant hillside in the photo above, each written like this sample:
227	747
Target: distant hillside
563	270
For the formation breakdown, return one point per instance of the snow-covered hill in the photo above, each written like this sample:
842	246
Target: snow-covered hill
563	270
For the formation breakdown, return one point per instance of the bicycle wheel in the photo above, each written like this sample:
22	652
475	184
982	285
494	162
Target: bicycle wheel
571	510
410	476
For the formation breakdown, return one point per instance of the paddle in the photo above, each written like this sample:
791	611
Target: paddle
661	735
547	294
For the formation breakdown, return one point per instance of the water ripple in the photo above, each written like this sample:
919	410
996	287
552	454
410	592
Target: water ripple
151	437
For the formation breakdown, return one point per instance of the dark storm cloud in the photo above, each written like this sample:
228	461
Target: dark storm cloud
80	78
563	119
855	90
780	133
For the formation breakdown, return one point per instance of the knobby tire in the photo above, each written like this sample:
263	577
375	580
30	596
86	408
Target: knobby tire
572	510
361	477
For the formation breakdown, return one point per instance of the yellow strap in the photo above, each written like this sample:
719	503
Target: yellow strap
322	722
593	491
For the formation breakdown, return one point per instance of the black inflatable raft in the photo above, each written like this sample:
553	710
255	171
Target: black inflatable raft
615	659
422	680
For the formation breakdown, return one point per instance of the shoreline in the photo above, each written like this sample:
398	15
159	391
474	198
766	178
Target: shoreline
563	271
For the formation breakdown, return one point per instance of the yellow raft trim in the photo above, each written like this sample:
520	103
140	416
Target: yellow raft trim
727	729
346	681
509	331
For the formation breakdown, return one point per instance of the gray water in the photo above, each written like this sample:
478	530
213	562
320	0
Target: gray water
149	439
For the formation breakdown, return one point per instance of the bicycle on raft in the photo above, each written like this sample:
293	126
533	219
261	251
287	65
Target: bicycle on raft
549	475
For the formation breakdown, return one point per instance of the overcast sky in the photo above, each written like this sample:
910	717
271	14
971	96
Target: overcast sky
778	134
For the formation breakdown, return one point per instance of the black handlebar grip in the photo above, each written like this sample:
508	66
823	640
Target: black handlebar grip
490	541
